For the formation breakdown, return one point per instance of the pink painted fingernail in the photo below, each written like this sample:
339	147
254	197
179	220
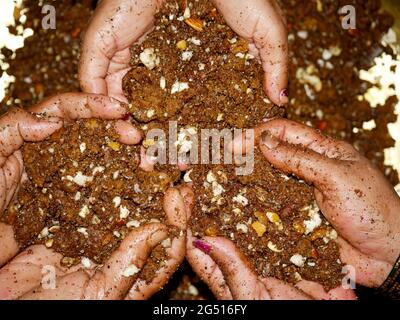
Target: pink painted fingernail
203	246
269	141
283	97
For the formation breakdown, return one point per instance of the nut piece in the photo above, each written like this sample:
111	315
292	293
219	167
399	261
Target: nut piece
49	243
298	226
273	217
195	23
273	247
259	228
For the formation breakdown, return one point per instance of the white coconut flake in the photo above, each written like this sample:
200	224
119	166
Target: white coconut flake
117	201
79	179
315	219
163	83
83	231
86	263
82	147
84	211
241	227
241	200
98	169
179	87
187	55
149	58
123	212
130	271
133	224
77	196
186	177
302	34
298	260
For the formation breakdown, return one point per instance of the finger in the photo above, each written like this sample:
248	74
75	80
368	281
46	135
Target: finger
260	22
128	134
27	270
206	268
188	198
143	290
119	66
305	164
114	27
72	106
318	292
17	126
238	274
308	137
8	243
117	275
146	163
174	208
368	272
280	290
12	171
202	264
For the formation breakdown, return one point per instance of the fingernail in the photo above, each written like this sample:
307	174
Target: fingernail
269	141
203	246
283	97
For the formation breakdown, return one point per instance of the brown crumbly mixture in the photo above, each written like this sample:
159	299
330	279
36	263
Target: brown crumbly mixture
224	89
269	216
85	192
336	108
224	82
48	63
339	114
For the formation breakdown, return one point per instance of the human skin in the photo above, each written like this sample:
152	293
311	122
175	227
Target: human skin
353	195
117	24
21	272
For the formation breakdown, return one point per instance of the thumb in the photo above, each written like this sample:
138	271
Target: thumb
18	126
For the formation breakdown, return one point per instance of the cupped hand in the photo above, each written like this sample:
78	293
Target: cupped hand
22	274
229	275
351	192
117	24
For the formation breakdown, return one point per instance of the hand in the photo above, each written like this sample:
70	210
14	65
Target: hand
352	193
21	278
118	24
229	275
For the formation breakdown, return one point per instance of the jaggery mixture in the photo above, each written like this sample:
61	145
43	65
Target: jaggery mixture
85	192
195	70
318	46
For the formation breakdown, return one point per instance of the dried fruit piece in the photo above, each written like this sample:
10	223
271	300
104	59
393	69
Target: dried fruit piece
261	217
49	243
195	23
298	226
259	228
116	146
318	234
273	217
240	46
182	45
211	231
91	124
